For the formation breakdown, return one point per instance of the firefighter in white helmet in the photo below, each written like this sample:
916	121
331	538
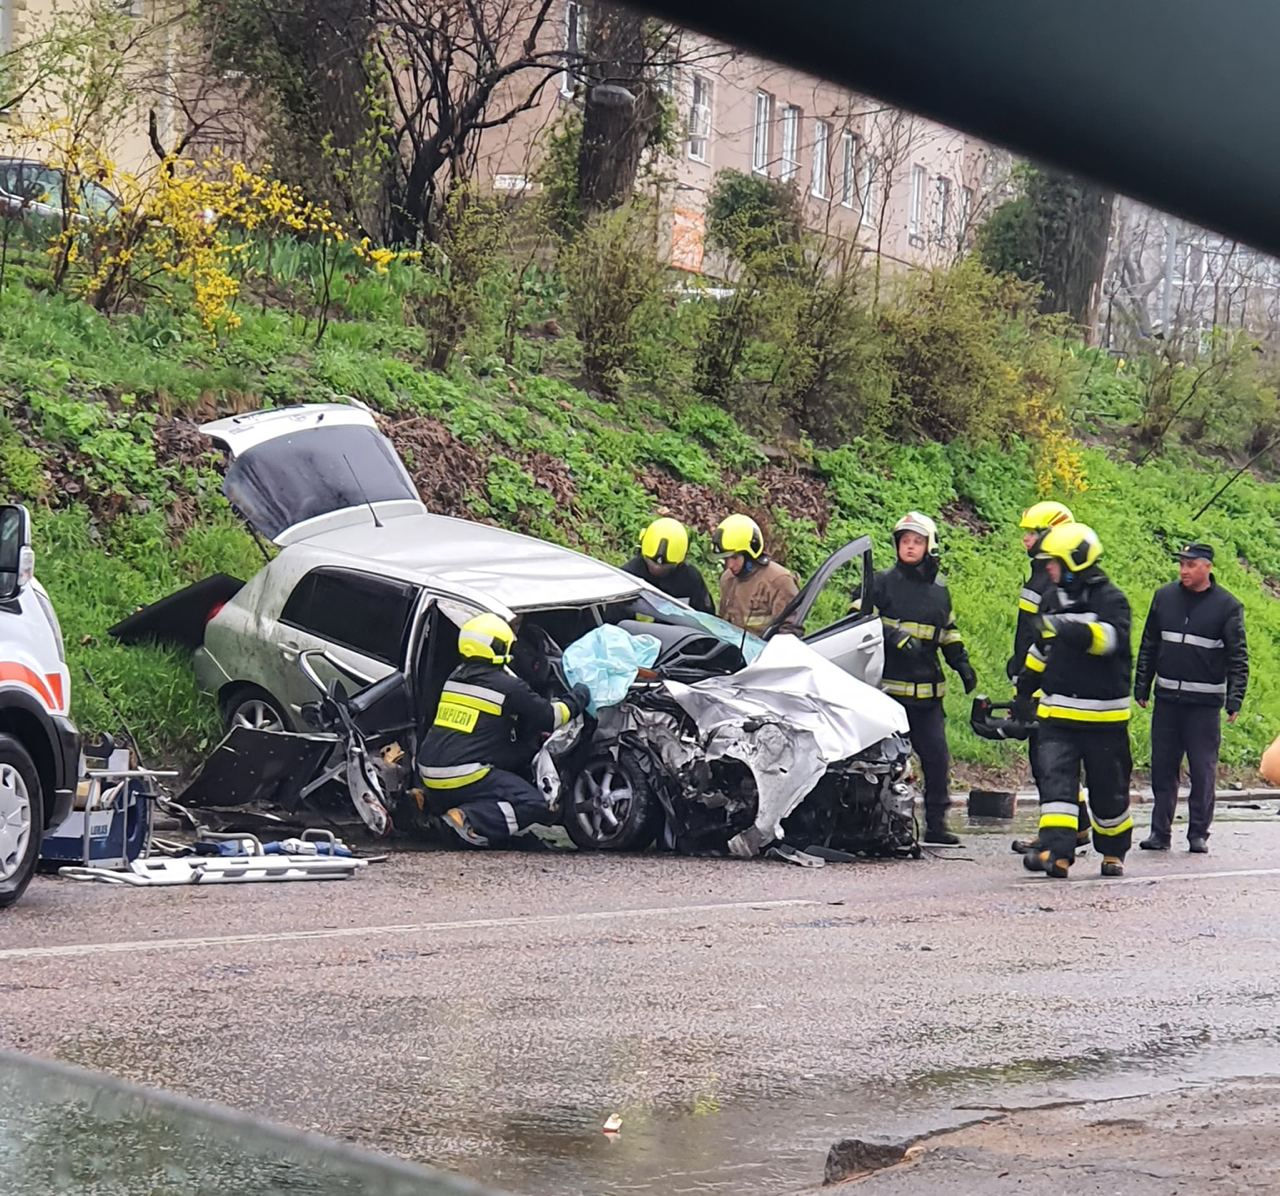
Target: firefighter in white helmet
914	605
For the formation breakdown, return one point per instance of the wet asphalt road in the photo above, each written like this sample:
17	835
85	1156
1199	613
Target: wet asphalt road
488	1012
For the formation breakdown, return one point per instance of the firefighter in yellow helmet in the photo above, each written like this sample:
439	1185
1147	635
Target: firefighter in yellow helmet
661	562
1038	596
754	590
486	730
1081	668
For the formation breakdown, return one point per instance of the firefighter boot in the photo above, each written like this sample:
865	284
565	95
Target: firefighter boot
1111	866
1041	861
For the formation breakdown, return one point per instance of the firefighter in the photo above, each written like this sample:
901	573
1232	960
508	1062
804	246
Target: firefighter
1039	591
1081	668
754	590
1193	651
661	562
487	728
914	605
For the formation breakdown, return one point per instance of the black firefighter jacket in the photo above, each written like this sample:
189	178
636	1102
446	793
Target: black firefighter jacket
1083	661
1030	602
487	718
1193	648
914	605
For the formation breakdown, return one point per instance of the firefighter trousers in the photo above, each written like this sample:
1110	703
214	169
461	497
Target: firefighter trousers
1102	753
494	808
1082	810
929	739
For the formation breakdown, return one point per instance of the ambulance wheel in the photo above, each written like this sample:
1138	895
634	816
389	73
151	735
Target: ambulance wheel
21	819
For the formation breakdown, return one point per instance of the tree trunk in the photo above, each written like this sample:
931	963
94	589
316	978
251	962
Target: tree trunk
621	109
1074	227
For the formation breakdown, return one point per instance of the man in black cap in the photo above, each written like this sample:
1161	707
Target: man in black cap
1194	655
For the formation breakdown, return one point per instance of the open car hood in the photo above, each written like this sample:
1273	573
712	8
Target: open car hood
297	472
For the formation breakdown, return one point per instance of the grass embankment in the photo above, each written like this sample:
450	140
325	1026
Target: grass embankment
96	423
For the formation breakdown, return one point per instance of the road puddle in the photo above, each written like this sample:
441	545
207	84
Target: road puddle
763	1146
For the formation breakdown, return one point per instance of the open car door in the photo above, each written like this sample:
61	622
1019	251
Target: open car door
297	472
836	599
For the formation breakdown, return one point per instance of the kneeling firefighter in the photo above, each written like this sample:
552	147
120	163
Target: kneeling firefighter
1039	596
1082	667
914	605
486	731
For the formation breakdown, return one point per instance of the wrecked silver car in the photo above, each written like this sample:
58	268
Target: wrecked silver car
346	635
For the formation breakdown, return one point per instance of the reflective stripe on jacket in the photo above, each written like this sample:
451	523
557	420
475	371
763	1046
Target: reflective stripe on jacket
1083	660
1193	648
486	718
914	606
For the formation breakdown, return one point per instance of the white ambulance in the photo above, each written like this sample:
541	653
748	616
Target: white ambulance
39	744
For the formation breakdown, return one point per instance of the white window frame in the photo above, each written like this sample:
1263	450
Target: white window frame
868	195
700	118
848	168
942	206
820	180
790	143
574	29
966	214
915	208
761	133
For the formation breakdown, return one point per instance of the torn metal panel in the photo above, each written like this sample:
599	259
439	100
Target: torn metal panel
788	716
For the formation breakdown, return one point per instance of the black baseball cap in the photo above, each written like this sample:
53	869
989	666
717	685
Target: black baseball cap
1195	552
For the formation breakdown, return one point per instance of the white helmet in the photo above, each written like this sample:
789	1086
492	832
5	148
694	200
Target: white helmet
922	525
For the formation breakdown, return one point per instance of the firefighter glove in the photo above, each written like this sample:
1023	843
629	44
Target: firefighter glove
968	677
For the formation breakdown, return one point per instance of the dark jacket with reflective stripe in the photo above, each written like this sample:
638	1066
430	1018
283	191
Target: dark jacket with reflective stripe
1193	648
914	605
683	582
1083	662
487	716
1030	601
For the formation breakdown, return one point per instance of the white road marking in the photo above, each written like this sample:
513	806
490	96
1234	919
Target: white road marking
1149	878
349	932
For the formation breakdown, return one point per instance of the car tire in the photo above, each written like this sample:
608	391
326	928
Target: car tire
251	706
21	819
628	820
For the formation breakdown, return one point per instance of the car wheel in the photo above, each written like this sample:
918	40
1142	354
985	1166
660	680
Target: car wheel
254	708
21	819
611	806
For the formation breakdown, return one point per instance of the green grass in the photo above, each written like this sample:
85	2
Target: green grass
80	397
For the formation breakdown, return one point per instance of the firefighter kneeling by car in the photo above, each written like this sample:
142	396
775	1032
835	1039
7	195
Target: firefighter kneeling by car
486	731
1081	666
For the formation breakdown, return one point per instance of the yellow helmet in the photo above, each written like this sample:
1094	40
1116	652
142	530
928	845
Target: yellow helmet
486	637
738	534
1044	515
1074	544
665	542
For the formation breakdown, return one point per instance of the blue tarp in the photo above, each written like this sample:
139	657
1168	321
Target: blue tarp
606	661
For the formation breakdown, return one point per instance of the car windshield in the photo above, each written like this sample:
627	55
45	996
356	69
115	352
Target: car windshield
664	608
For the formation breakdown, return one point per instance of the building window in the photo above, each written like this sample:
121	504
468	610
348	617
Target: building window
915	213
966	214
575	40
942	209
820	184
790	142
6	26
764	125
699	118
848	169
870	194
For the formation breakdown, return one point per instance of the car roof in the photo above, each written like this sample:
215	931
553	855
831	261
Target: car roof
519	572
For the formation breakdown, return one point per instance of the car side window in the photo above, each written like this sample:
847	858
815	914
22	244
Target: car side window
368	614
11	179
43	185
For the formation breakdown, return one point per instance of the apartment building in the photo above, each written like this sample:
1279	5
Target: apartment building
891	183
